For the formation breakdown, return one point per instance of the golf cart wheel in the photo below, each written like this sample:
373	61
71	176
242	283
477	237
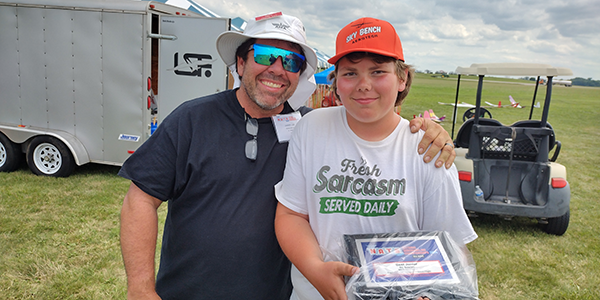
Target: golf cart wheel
558	225
48	156
10	155
470	113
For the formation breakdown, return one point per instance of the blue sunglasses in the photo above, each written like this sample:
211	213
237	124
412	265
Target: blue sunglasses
267	55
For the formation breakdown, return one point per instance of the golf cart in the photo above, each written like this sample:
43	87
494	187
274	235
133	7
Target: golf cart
510	164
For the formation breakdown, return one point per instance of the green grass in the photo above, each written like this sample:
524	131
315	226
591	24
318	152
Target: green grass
59	237
515	259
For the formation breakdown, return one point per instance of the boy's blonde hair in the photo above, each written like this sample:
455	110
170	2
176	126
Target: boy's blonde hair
403	71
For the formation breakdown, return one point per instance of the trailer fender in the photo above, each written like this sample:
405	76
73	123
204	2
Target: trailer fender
20	135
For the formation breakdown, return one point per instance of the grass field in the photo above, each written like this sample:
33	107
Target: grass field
59	237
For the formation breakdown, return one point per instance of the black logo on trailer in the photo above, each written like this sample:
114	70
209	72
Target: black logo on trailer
194	64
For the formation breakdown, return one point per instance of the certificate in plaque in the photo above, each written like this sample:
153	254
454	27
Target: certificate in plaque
405	263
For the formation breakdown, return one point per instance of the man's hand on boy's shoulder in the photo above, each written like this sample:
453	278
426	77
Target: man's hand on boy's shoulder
439	140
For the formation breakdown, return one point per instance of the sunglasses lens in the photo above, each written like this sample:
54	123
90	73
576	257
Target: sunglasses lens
293	63
264	59
267	55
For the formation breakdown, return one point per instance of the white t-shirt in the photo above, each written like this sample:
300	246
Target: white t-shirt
347	185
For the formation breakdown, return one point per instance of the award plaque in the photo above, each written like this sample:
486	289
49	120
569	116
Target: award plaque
406	264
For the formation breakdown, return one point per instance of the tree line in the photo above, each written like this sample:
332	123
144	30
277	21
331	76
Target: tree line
585	82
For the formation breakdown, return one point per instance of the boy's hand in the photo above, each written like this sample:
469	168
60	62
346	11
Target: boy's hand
328	279
438	138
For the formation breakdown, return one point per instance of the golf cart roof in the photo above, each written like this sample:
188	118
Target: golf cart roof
514	69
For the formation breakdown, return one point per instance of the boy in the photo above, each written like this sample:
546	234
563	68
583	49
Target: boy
353	169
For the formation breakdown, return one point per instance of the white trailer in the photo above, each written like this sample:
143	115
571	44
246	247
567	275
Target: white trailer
88	81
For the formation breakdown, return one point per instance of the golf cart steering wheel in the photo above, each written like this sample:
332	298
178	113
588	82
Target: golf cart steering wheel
470	113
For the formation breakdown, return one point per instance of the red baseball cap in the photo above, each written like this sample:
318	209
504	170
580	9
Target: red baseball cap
368	35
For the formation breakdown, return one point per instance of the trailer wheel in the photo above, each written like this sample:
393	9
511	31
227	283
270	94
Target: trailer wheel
558	225
48	156
10	155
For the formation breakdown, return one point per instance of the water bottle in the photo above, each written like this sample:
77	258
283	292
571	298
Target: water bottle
153	125
478	194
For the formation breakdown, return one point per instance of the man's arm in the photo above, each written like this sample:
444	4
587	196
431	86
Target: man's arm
139	230
438	138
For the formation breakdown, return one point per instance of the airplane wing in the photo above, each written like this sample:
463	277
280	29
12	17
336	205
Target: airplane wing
513	102
460	104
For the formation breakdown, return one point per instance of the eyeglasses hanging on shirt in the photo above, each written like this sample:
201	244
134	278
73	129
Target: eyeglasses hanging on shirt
252	144
283	125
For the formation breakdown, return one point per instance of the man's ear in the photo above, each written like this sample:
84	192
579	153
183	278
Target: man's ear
240	63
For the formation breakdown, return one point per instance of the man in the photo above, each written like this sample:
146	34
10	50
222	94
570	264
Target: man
216	160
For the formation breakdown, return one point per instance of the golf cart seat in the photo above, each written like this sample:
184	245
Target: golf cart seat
509	142
529	145
464	133
552	138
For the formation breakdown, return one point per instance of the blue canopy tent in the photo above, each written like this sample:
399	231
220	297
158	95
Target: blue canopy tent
321	77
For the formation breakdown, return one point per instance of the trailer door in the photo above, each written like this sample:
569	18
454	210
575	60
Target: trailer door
189	66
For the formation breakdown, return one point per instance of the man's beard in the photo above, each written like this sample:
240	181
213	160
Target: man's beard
250	86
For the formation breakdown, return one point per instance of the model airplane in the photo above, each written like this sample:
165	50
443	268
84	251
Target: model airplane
460	104
431	115
513	102
492	105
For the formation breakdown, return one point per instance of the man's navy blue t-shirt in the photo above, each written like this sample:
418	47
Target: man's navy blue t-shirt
219	240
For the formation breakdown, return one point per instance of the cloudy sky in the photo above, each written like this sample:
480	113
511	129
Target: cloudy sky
443	34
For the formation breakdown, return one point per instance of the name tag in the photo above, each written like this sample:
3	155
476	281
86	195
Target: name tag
284	125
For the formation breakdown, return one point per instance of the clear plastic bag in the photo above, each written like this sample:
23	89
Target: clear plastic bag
409	265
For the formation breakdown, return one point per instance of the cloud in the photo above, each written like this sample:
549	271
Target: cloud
574	18
443	34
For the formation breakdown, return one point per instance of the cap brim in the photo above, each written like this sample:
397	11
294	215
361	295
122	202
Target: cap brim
337	57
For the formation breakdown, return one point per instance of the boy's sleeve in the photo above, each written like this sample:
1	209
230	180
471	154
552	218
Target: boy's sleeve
443	208
291	190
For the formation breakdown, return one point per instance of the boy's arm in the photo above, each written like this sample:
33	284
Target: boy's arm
439	140
300	245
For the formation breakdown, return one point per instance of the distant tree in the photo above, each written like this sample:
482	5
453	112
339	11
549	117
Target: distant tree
585	82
